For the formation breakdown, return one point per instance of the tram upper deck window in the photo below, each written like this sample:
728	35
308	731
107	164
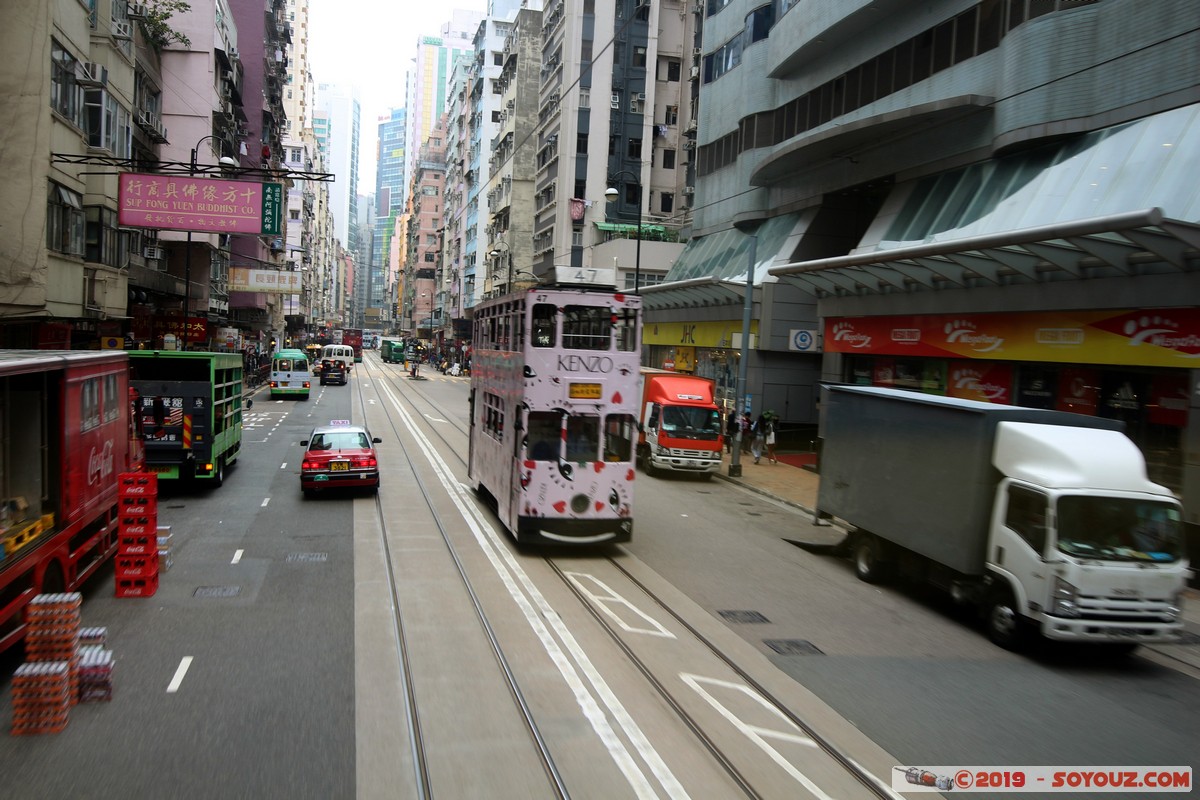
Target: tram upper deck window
544	323
627	330
587	328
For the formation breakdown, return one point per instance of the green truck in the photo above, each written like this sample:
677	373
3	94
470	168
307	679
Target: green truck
191	408
392	351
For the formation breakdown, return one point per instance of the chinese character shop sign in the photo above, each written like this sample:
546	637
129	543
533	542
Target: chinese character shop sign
206	205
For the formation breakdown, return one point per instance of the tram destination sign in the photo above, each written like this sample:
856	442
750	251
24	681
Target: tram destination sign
205	205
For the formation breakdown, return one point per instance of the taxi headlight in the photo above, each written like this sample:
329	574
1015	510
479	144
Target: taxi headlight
1064	602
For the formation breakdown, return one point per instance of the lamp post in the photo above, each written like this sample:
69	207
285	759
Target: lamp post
750	228
496	252
611	194
225	161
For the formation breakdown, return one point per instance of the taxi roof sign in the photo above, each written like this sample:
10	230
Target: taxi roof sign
339	422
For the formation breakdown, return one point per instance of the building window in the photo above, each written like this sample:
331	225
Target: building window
674	70
431	257
585	98
64	91
671	115
103	242
581	143
294	214
639	57
498	59
108	124
666	202
496	116
64	221
635	148
668	159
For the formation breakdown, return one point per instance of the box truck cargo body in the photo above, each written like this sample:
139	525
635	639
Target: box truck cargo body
1045	519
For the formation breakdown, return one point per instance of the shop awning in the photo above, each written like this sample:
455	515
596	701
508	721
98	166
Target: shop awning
724	254
1119	244
695	293
648	231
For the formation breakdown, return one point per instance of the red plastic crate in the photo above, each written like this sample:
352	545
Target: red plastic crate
139	566
130	544
138	526
139	506
137	587
138	483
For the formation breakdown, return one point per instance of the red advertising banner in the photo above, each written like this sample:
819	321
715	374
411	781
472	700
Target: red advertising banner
1158	338
207	205
1079	390
978	380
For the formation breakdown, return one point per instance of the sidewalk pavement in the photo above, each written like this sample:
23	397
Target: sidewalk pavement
797	486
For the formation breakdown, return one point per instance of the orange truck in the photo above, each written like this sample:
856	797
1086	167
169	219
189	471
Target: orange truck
679	424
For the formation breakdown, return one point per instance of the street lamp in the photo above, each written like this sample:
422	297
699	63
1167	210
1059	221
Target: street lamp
748	226
496	252
611	194
225	161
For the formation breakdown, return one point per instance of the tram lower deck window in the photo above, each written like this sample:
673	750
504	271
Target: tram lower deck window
544	437
583	438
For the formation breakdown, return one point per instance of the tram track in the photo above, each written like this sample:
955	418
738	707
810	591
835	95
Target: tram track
871	784
423	783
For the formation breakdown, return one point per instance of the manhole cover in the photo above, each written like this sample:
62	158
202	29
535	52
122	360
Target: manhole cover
745	617
217	591
312	557
793	647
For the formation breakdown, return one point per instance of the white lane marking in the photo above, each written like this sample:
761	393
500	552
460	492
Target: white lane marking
265	501
237	556
607	596
283	465
173	686
370	401
576	668
757	733
434	419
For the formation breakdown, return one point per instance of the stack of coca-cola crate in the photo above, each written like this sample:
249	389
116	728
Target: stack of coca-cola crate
65	664
137	545
47	684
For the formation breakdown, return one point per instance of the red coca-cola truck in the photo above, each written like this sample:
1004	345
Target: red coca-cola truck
66	432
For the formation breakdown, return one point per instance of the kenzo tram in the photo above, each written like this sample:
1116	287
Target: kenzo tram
554	395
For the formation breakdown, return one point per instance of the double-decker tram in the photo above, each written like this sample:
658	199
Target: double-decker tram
554	394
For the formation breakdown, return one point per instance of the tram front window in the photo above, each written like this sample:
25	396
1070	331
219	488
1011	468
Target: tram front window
544	435
583	439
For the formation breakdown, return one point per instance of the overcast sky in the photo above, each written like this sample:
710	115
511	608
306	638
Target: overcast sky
371	44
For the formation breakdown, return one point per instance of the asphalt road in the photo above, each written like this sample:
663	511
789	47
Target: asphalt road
261	600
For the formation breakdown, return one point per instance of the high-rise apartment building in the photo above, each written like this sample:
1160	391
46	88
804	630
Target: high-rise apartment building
614	106
391	189
336	120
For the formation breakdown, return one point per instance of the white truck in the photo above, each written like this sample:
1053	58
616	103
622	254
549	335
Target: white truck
1045	520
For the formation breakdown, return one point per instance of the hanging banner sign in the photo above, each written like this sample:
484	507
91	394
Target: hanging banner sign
273	281
205	205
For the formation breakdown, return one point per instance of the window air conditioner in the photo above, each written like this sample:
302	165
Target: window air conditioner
135	11
122	30
152	253
689	190
92	74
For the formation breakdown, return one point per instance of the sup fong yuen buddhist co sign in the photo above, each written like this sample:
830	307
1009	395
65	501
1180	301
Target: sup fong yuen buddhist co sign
205	205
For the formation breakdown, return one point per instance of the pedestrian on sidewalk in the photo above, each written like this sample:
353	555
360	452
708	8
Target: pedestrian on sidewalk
759	430
770	436
744	432
731	431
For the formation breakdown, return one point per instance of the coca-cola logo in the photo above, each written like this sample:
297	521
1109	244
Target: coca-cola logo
100	464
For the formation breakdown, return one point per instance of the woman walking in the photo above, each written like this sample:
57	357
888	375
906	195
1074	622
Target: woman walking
770	437
759	429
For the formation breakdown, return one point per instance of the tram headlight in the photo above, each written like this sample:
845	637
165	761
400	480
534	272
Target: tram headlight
580	503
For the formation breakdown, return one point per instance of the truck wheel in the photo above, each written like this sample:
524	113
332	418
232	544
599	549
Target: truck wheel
219	475
1004	625
869	563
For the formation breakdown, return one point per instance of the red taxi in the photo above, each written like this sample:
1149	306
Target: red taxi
339	456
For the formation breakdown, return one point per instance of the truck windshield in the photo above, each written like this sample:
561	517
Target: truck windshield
1119	528
686	422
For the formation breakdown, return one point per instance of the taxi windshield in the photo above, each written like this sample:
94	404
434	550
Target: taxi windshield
340	440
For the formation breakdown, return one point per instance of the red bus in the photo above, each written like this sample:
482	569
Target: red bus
354	338
66	432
